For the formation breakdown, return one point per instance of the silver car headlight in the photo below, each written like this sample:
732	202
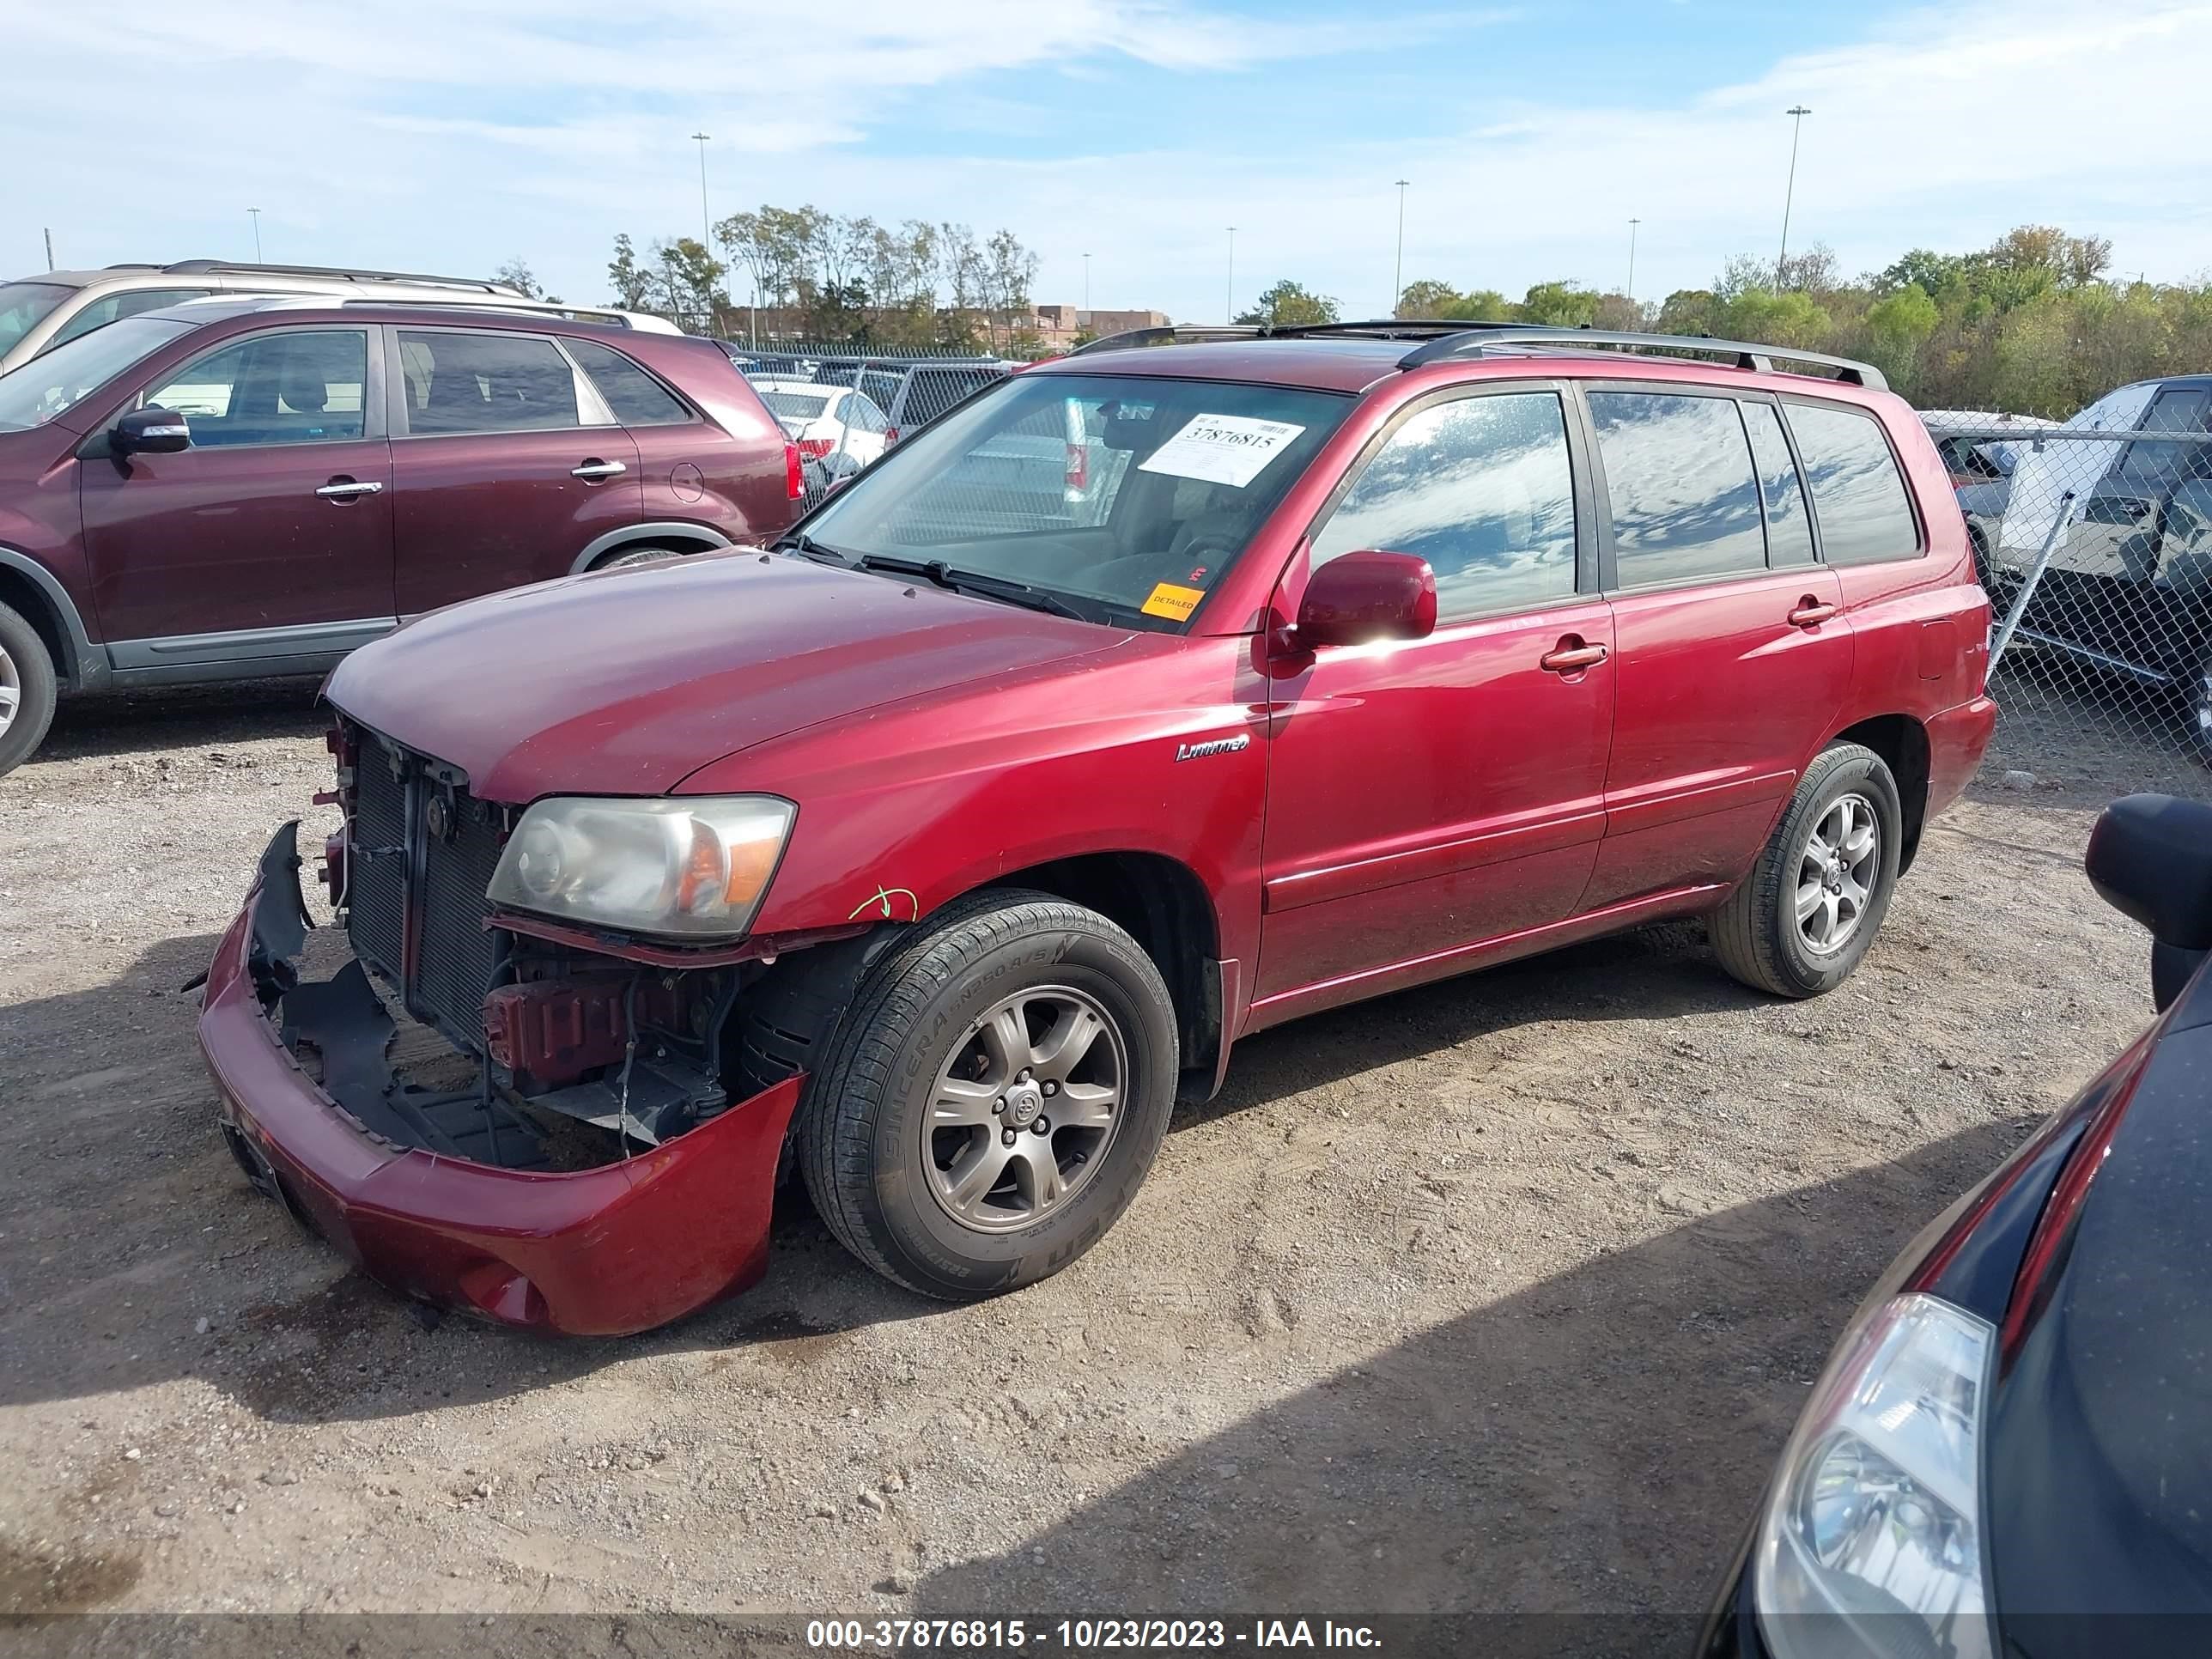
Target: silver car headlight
683	869
1873	1542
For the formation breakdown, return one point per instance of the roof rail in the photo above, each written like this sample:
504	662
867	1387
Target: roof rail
1169	334
500	305
1757	358
1380	328
195	267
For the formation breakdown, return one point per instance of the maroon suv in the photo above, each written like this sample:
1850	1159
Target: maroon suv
239	488
935	852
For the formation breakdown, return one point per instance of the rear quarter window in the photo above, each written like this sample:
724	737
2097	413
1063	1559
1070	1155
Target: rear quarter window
1859	499
636	398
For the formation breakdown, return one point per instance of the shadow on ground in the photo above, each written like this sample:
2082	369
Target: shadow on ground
181	717
1501	1499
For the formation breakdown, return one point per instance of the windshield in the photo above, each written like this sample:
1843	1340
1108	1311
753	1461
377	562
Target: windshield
1133	495
49	386
795	405
22	305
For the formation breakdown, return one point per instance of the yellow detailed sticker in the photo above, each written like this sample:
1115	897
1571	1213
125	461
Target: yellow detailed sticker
1174	603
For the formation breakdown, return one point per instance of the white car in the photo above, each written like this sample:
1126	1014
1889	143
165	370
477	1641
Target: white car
840	428
39	313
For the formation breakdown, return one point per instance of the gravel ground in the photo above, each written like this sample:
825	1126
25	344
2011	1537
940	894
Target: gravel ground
1500	1294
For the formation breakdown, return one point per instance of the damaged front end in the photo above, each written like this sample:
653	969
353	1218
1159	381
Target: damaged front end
523	1126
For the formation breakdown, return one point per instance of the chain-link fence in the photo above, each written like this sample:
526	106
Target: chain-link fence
2094	541
844	408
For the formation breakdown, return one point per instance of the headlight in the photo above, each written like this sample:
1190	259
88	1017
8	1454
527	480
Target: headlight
1873	1540
689	869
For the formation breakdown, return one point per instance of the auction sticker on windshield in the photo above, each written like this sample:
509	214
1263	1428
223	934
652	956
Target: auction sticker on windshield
1223	449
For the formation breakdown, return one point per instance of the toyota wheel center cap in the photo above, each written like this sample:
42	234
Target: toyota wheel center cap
1024	1101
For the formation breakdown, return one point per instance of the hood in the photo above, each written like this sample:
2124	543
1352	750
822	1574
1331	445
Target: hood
625	681
2100	1445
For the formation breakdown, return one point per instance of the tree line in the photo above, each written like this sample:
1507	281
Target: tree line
2034	322
832	279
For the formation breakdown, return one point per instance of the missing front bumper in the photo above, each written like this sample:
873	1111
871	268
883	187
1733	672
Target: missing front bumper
618	1247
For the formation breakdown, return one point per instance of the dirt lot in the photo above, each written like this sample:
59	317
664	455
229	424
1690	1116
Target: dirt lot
1500	1294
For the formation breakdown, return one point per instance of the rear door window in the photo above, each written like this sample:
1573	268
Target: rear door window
1480	487
1685	500
468	382
636	398
1859	501
1788	531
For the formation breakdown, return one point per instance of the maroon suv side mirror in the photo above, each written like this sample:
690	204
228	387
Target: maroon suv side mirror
1357	598
149	432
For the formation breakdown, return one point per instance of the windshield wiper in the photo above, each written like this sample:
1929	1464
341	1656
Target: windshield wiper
944	575
800	542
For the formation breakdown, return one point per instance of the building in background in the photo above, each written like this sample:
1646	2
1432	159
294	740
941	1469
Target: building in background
1060	326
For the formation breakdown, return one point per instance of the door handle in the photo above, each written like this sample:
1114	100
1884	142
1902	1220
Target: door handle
342	488
1811	612
1573	658
591	472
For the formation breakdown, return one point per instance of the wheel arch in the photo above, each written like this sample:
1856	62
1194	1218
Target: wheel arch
1161	903
30	588
1902	743
1158	899
680	533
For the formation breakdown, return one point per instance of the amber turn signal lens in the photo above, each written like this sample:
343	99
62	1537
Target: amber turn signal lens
752	863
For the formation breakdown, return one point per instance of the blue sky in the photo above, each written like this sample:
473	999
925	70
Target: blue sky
422	136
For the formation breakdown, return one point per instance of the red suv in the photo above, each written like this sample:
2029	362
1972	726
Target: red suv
939	850
238	488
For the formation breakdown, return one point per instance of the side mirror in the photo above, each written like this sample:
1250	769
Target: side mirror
2150	858
149	432
1357	598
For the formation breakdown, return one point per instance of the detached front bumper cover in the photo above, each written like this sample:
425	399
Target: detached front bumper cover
604	1251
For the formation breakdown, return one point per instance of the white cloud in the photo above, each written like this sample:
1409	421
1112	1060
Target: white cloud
409	133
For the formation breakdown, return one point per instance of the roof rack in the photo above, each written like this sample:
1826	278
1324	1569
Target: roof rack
1378	328
1171	334
1757	358
500	303
340	273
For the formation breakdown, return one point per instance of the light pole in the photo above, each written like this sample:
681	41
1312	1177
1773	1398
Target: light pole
1632	224
1232	275
1398	271
1796	112
256	212
706	221
1086	288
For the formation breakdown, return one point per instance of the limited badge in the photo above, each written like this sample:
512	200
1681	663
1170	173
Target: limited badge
1174	603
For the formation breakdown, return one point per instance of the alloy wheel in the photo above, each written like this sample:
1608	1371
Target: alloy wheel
1022	1114
1836	874
11	690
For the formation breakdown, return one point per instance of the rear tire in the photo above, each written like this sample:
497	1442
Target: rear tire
946	1176
1797	924
630	555
28	690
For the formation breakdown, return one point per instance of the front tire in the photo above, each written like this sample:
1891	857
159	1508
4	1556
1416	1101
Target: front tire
28	690
1798	924
993	1099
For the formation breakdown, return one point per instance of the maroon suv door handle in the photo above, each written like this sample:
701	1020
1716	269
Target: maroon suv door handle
343	489
1573	656
1810	612
594	470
